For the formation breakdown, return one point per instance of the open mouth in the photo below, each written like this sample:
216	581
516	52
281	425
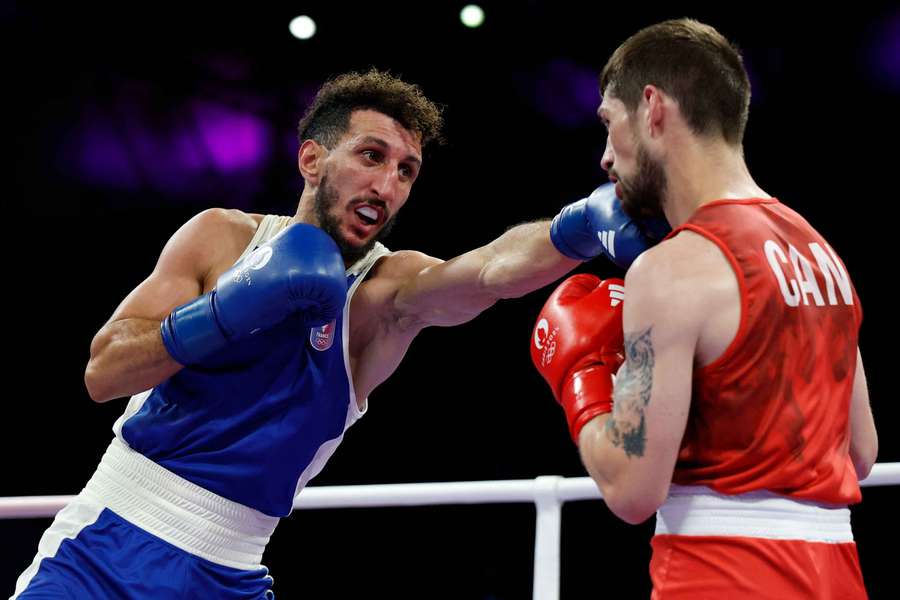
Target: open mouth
367	215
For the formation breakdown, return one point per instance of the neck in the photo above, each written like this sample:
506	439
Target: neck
702	171
306	212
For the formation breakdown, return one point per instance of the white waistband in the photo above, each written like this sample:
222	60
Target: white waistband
697	510
178	511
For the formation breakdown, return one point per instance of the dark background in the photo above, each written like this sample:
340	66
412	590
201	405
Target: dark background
128	120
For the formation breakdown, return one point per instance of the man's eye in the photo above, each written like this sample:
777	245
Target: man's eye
372	155
406	171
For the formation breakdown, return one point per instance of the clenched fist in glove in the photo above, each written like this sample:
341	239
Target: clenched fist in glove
577	346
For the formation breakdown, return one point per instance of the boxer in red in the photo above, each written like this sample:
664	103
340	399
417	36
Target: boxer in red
740	415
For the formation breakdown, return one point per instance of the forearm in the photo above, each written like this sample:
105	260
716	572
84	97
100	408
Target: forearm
127	357
863	436
616	472
522	260
598	457
863	440
449	293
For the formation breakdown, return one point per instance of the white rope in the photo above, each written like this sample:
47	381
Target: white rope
506	491
548	493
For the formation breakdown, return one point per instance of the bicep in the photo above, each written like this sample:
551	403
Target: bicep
156	296
443	293
179	273
653	389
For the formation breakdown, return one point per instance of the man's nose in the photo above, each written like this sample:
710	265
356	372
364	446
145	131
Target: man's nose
386	184
608	159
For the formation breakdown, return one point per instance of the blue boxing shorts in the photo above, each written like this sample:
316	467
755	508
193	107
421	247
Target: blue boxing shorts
138	531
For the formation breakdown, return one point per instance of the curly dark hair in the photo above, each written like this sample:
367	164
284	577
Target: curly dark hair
328	118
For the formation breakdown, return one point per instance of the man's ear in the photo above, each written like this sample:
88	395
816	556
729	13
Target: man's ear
310	160
658	109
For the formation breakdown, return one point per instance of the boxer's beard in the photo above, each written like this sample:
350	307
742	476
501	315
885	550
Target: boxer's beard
326	199
642	197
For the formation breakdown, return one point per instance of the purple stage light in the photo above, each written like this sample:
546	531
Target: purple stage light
565	92
186	152
99	155
884	55
234	140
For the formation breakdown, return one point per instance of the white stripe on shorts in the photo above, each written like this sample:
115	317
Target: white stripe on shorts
67	524
178	511
697	510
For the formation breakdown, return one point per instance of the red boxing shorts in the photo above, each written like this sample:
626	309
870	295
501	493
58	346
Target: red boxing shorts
752	546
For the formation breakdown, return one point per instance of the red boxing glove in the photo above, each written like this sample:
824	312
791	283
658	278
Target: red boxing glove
577	345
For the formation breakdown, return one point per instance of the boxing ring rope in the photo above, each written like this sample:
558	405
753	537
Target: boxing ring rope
547	492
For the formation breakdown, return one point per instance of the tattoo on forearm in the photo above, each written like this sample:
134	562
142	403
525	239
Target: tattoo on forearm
626	428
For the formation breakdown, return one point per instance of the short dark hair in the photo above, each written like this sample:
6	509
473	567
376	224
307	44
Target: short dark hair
693	63
328	118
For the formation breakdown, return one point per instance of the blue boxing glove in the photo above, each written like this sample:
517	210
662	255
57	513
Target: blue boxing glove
598	225
299	271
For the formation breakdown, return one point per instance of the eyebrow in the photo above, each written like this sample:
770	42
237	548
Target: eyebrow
370	139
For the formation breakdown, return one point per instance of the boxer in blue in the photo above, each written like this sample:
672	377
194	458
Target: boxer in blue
255	342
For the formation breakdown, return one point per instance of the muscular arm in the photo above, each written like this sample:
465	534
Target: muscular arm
127	354
863	437
631	452
449	293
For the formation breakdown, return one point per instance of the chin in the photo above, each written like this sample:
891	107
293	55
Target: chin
358	243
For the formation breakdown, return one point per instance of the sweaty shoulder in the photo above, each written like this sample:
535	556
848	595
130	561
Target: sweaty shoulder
216	237
231	220
687	282
226	228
